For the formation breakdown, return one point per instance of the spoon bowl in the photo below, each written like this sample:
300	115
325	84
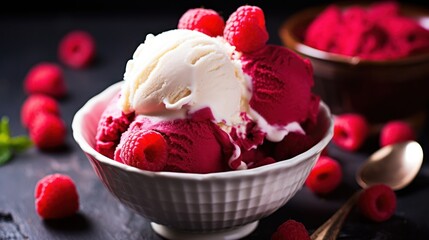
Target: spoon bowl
395	165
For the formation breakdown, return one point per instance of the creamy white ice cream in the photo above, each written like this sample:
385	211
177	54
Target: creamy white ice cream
183	70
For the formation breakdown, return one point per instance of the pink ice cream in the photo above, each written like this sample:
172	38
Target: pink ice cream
282	83
195	145
112	124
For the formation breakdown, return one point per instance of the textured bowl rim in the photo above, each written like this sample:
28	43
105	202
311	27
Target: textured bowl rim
292	41
109	91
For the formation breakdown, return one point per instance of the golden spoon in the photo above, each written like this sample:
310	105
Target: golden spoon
395	165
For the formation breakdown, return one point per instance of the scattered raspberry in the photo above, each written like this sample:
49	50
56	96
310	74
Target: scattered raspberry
56	197
377	202
350	131
204	20
77	49
46	78
291	230
325	176
245	29
145	150
36	103
396	131
47	131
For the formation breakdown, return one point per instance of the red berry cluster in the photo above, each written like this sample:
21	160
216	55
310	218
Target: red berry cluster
379	31
350	132
55	195
45	85
245	28
40	112
352	129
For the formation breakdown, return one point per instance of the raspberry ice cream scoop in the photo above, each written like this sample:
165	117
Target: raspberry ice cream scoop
195	145
281	86
113	122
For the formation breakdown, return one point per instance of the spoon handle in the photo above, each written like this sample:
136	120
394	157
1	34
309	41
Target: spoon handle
330	229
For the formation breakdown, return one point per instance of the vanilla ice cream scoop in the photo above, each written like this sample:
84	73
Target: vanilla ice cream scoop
183	70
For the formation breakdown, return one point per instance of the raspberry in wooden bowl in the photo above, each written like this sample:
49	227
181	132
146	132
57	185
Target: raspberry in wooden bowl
367	59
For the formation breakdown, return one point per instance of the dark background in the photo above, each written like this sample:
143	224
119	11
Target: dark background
30	33
276	11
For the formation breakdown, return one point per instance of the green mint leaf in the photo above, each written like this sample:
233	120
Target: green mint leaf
5	154
20	143
9	145
4	127
4	140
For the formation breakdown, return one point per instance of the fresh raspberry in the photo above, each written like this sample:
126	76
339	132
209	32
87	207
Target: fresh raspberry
46	78
203	20
396	131
47	131
291	230
322	32
350	131
245	29
377	202
56	196
382	10
145	150
77	49
36	103
325	176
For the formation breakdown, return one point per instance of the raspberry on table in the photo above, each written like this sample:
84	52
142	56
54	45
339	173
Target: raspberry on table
77	49
245	29
145	150
396	131
350	131
56	196
325	176
46	78
47	131
203	20
291	230
377	202
36	103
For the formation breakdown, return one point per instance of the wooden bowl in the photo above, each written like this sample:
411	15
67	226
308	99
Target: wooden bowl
380	90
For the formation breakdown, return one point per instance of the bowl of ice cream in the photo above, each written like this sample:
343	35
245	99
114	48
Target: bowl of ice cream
204	140
368	59
177	203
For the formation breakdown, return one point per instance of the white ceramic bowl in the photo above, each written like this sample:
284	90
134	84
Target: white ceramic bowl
183	205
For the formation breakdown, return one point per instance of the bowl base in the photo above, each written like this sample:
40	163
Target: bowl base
228	234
